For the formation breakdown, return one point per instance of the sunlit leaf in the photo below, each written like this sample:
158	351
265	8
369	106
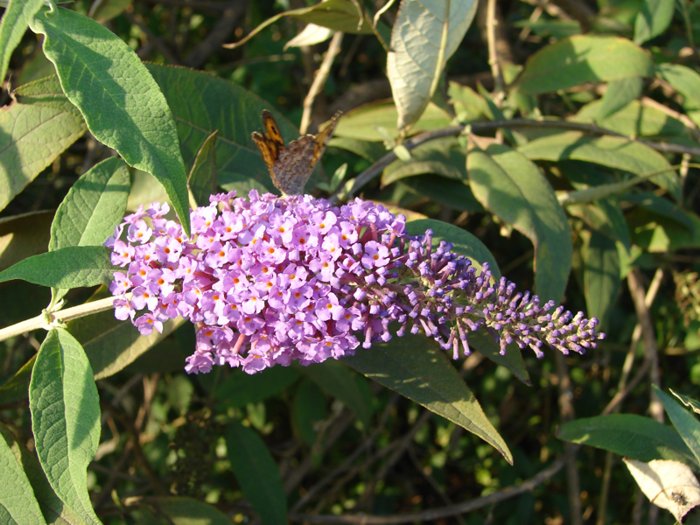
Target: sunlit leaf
17	501
118	98
583	58
69	267
31	137
628	435
338	15
670	485
653	18
512	187
426	33
65	412
12	26
612	152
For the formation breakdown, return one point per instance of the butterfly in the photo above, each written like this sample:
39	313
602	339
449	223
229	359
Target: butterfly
290	165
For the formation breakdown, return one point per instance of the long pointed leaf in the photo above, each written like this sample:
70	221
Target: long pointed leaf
69	267
425	35
257	473
419	371
65	412
512	187
118	98
17	501
12	26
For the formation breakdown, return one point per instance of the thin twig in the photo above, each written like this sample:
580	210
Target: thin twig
41	321
566	409
216	36
444	512
320	80
651	350
494	63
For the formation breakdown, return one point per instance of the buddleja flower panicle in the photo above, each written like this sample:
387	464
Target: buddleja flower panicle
272	280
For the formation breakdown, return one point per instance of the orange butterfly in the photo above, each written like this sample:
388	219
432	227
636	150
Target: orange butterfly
290	165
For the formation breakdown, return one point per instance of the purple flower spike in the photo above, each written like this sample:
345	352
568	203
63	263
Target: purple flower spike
271	280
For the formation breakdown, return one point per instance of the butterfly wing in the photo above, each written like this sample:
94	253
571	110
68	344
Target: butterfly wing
291	166
298	159
324	136
295	165
270	142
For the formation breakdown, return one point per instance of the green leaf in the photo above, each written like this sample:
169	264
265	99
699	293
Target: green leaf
468	104
121	103
65	411
31	137
180	510
91	210
12	26
601	275
442	157
377	121
451	193
463	242
688	401
638	119
228	108
685	81
425	35
512	187
70	267
416	369
605	216
53	509
580	59
612	152
310	36
338	15
336	380
488	345
366	149
683	421
202	177
618	95
240	389
111	345
257	473
629	435
93	207
309	407
18	503
653	19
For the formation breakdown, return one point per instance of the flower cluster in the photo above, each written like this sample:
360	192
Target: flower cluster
270	280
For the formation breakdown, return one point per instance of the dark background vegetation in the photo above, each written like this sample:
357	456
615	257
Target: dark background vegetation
162	430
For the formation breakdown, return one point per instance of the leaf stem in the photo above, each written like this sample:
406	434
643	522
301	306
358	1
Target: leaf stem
47	320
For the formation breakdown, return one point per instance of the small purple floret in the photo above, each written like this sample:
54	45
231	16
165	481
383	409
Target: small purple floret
270	280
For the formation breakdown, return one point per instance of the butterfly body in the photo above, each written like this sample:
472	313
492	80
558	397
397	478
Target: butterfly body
290	165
